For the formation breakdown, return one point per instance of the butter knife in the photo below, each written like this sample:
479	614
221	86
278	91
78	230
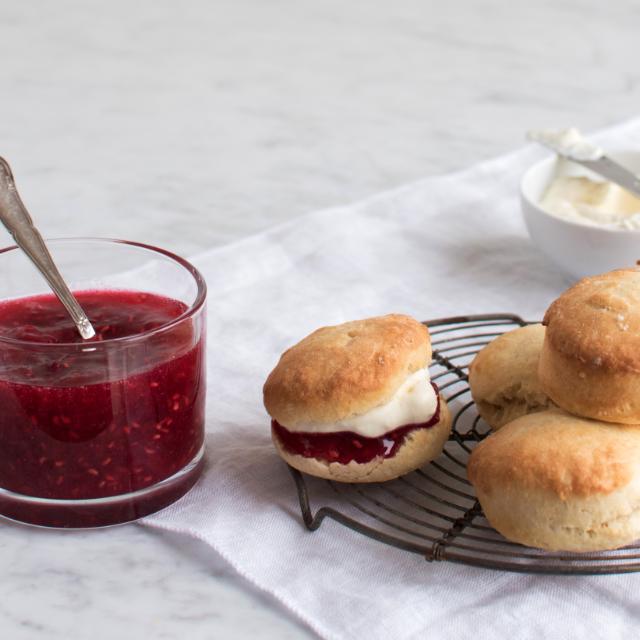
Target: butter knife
569	144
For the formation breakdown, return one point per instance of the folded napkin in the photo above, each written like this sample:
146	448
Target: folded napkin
443	246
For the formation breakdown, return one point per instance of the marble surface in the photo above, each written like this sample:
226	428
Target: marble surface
192	124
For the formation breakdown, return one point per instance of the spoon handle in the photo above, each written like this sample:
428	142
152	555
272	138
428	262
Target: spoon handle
16	218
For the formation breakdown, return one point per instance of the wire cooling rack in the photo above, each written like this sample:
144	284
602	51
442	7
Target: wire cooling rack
433	511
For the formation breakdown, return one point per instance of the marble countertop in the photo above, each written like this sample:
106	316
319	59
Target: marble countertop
189	125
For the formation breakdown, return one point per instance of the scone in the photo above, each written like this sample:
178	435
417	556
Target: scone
504	376
590	360
354	402
558	482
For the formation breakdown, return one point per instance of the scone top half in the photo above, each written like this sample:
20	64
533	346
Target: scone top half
590	360
346	370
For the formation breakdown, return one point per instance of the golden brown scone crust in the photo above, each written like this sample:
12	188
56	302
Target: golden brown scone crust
590	361
555	481
420	446
345	370
504	376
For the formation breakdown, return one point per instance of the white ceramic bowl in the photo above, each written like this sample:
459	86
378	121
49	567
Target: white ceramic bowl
579	250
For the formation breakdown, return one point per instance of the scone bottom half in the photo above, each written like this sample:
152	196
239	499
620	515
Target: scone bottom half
413	446
334	398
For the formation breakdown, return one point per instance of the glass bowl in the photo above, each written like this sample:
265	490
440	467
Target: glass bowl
106	431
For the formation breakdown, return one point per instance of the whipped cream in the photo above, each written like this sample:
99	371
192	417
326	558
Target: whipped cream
591	202
567	142
415	402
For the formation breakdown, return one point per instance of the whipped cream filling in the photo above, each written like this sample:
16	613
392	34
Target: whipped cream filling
415	402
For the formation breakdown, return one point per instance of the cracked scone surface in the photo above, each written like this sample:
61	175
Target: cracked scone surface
590	359
420	446
503	377
559	482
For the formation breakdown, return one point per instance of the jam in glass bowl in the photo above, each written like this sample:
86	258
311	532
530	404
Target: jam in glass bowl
99	432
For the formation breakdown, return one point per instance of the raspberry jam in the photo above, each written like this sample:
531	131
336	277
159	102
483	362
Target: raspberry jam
98	419
346	446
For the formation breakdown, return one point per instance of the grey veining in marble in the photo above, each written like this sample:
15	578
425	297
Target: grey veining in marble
192	124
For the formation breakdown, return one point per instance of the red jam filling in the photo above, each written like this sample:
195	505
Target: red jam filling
346	446
77	422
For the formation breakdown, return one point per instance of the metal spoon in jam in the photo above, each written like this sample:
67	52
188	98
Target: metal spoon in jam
16	218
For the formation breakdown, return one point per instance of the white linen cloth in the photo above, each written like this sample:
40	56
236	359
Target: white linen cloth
443	246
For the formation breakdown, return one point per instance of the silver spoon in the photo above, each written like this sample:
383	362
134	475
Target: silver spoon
16	218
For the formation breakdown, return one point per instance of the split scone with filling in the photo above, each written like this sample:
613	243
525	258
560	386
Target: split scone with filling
503	377
354	402
559	482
